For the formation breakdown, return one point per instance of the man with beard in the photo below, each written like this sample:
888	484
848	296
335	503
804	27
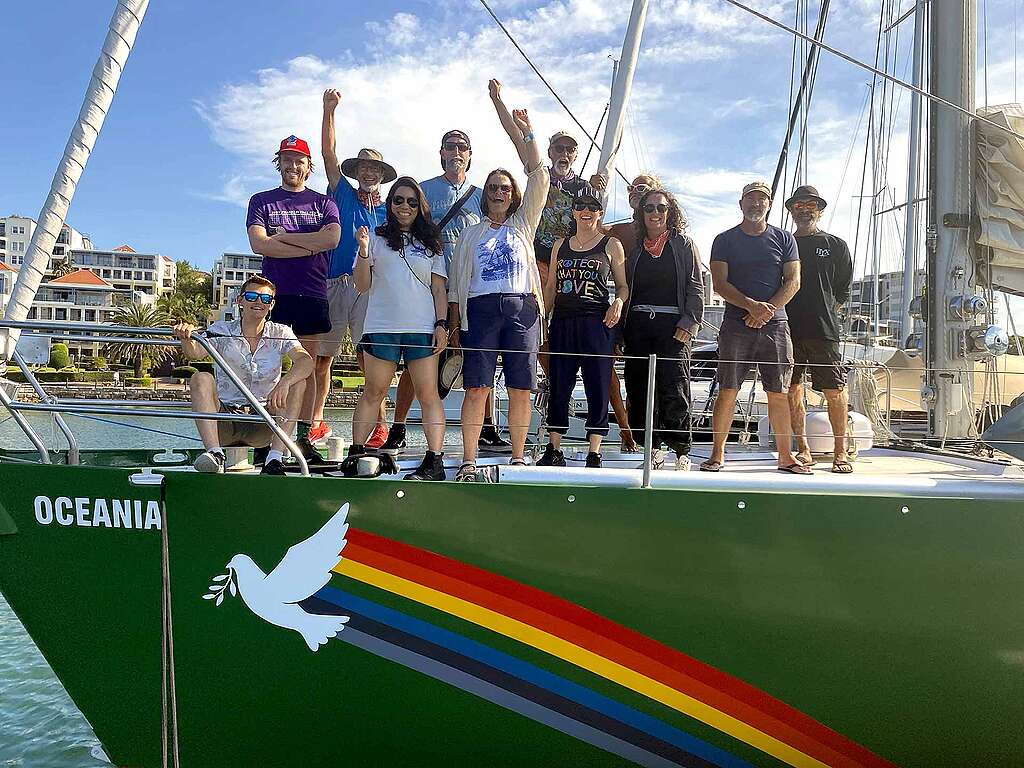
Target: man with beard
756	269
826	273
359	206
294	228
454	204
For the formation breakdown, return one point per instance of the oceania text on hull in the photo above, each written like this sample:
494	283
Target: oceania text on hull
84	512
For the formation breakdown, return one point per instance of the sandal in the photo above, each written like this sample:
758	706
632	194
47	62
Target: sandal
467	474
796	469
842	467
711	466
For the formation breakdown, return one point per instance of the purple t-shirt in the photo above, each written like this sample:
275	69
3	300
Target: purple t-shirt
304	212
755	263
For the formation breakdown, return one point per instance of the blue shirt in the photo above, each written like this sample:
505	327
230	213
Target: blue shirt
353	215
441	195
755	263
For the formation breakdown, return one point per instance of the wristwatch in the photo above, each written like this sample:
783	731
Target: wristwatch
442	323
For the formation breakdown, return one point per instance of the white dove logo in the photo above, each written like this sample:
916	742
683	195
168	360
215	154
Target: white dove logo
302	572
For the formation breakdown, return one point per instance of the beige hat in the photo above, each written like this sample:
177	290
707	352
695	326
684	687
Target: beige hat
388	173
562	135
757	186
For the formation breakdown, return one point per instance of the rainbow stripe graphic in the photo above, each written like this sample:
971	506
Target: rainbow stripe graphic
574	635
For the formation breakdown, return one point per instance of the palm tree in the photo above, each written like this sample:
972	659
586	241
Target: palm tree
185	308
140	316
63	267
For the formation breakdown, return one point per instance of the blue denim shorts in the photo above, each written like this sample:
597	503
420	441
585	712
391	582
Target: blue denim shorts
509	322
395	346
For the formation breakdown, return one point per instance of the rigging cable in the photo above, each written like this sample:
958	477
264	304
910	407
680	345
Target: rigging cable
558	98
876	71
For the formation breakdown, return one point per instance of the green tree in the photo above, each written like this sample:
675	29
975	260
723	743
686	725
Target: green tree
141	356
59	356
185	308
64	267
190	281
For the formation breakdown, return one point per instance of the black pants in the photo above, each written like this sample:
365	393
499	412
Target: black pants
580	337
646	336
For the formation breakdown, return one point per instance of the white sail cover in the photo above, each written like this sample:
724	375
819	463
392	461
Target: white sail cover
124	25
1000	191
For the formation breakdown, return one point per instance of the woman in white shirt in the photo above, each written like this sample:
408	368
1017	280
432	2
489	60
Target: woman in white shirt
496	292
401	267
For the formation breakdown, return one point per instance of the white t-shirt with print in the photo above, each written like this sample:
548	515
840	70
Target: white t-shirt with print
399	299
502	264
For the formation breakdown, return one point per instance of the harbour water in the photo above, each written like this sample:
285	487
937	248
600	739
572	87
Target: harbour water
40	727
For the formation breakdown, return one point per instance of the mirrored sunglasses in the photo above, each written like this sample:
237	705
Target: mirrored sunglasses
456	146
253	296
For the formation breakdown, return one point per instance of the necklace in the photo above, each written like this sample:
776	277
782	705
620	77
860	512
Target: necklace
589	245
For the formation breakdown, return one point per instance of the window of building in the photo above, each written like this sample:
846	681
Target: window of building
90	315
32	313
138	274
62	314
105	273
76	315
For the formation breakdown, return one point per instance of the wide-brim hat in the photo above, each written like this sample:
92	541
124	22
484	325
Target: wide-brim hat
449	371
388	173
806	192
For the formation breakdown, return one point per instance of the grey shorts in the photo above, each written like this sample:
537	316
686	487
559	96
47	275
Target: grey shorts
238	433
740	348
347	312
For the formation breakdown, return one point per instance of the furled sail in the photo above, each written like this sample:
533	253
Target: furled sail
1000	191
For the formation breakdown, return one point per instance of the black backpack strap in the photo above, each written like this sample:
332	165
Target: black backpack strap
456	207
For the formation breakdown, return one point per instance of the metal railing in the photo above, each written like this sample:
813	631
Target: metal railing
88	332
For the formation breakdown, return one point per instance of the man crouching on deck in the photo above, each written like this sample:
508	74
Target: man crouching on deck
254	348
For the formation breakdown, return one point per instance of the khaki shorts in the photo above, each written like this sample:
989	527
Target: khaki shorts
243	433
348	313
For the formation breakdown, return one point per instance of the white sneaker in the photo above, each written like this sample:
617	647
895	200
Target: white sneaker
683	463
210	462
657	459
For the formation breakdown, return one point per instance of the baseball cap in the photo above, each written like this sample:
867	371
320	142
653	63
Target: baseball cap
757	186
562	135
294	144
455	133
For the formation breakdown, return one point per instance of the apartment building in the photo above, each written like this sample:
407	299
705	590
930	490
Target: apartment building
147	274
861	306
7	277
16	234
81	296
229	272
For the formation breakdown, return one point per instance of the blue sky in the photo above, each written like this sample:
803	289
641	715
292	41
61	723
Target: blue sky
212	87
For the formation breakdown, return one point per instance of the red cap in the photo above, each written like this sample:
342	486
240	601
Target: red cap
295	144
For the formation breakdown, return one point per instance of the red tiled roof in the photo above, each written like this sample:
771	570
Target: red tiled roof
4	267
125	249
81	277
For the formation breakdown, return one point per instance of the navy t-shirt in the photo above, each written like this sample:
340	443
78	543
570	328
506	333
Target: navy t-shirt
755	263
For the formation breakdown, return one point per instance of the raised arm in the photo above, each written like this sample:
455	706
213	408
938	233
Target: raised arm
332	97
517	126
361	274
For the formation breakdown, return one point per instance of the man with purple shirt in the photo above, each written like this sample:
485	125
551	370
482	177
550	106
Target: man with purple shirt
293	228
756	269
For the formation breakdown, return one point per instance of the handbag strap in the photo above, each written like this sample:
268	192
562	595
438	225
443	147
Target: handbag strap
456	207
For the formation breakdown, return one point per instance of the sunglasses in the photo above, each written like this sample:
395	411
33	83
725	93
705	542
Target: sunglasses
651	208
805	205
592	207
253	296
494	188
456	146
412	202
638	189
564	149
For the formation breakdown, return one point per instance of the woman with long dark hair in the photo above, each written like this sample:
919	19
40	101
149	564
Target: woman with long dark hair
662	315
401	267
496	293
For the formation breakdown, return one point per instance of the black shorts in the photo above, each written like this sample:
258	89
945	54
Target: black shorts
822	359
307	315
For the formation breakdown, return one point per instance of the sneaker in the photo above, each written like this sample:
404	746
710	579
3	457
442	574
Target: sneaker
377	438
309	453
210	462
431	468
259	456
683	463
489	438
320	432
657	459
467	474
593	460
552	457
396	440
273	467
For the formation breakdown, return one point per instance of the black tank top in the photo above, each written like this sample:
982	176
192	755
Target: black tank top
581	285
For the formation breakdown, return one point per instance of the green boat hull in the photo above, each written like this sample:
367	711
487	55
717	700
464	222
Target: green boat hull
885	630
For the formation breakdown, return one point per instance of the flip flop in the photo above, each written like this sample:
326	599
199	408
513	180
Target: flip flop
841	467
808	463
711	466
796	469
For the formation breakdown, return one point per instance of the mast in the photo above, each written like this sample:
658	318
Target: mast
124	26
913	176
621	89
951	265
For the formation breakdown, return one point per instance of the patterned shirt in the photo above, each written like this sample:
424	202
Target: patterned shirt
259	369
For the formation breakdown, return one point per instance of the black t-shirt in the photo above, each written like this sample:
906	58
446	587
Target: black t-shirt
654	280
581	280
826	271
